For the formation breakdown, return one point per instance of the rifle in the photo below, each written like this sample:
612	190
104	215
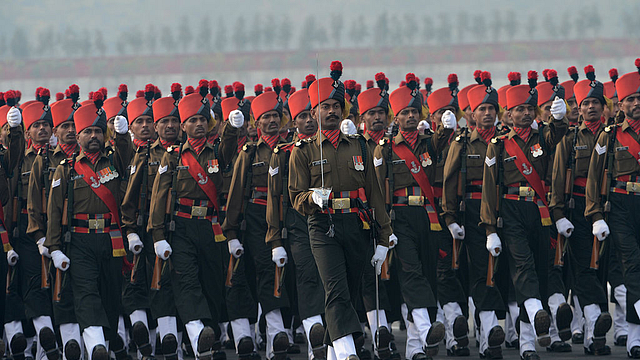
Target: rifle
607	178
17	203
172	197
462	183
492	264
569	200
142	209
45	282
67	216
284	200
389	185
279	280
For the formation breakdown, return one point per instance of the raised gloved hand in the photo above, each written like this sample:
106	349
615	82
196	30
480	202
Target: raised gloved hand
235	248
393	241
60	260
12	257
534	124
494	246
449	120
565	227
423	126
279	256
121	124
236	118
558	108
163	249
135	244
456	231
600	229
53	141
44	251
379	257
347	127
14	117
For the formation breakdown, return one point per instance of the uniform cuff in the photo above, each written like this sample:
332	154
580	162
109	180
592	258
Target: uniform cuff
597	216
449	219
558	214
157	235
53	248
276	243
231	234
490	229
39	234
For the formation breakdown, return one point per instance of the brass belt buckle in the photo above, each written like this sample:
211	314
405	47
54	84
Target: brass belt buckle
341	203
96	224
416	200
526	191
633	187
199	211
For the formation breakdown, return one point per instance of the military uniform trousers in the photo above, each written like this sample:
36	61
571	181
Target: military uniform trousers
197	272
556	282
96	278
526	242
624	222
308	282
587	287
484	297
448	284
63	310
416	256
368	288
341	260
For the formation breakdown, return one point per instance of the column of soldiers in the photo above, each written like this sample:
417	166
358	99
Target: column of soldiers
192	214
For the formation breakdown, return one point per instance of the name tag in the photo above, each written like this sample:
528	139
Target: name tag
396	162
154	163
622	148
26	173
581	147
510	159
318	162
473	156
258	164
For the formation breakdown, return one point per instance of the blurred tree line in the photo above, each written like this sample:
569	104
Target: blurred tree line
268	32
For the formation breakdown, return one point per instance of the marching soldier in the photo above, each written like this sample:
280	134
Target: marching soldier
246	210
410	195
443	105
286	224
83	231
189	194
612	179
135	215
514	166
461	204
570	170
39	186
334	207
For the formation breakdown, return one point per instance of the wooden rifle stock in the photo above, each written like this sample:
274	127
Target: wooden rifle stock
44	202
65	213
157	273
567	182
9	276
490	263
167	208
455	252
136	260
277	290
384	272
15	209
57	287
232	262
387	192
44	273
595	254
559	259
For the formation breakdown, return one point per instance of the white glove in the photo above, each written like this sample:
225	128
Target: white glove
135	244
121	124
449	120
565	227
163	249
423	126
212	114
53	141
14	117
393	241
347	127
44	251
600	230
12	257
558	108
60	260
494	246
456	231
236	119
316	198
235	248
534	124
379	257
279	256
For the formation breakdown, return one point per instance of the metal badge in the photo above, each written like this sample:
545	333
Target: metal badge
358	163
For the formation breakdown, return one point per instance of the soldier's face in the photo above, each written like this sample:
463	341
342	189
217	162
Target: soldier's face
111	127
329	112
408	119
195	127
66	132
269	123
91	139
167	128
468	114
522	115
436	117
591	109
546	111
142	128
40	132
631	106
4	132
305	124
573	114
484	116
375	119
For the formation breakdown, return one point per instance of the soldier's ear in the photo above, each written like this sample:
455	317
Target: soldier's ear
314	113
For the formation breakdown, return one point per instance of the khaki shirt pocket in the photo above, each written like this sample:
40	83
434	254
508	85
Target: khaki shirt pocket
582	160
624	162
259	177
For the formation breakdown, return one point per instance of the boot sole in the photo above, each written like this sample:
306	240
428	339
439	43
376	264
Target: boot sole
100	353
205	344
435	335
18	344
169	346
48	342
141	338
280	346
564	316
316	340
245	347
383	338
541	324
461	330
602	325
72	350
